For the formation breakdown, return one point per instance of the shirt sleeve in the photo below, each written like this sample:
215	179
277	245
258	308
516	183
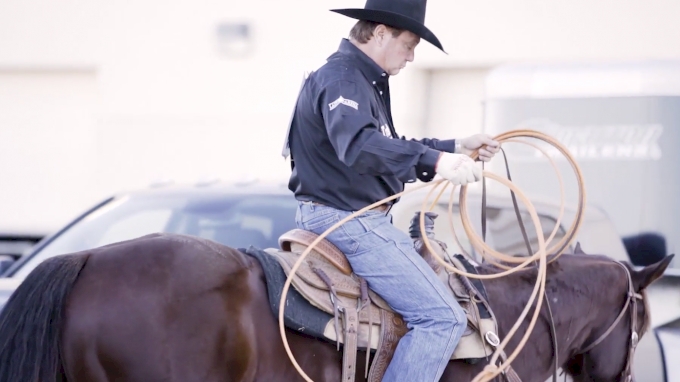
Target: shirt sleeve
358	142
448	145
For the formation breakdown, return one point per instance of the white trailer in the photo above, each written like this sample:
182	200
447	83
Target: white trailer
622	123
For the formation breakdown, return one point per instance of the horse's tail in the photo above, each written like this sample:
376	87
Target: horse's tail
31	321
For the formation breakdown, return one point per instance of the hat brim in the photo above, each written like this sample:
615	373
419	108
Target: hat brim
392	19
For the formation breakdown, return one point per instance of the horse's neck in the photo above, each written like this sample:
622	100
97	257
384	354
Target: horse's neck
509	295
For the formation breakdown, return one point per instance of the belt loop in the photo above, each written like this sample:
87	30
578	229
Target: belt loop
304	203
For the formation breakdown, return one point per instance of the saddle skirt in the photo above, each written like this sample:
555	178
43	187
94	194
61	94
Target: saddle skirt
361	319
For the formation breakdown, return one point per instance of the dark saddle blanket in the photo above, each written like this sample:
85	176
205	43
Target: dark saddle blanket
299	315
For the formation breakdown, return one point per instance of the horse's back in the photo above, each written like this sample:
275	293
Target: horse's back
156	308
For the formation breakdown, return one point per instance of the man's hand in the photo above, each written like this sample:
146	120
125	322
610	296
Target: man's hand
486	145
459	169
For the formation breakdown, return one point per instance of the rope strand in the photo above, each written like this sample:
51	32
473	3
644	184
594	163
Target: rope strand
491	370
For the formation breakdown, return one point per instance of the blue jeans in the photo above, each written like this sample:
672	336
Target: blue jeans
386	258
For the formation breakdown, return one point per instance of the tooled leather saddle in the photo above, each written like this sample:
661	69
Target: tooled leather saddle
360	319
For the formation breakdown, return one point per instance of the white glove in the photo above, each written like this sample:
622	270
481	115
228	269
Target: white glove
477	141
459	169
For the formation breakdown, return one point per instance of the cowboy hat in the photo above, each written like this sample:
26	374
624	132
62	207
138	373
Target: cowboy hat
400	14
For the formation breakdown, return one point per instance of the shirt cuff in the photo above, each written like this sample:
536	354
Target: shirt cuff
448	145
425	167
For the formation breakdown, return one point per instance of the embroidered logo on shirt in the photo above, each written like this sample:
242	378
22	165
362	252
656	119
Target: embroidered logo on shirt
343	101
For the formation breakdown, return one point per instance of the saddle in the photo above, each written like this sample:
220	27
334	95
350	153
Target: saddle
361	319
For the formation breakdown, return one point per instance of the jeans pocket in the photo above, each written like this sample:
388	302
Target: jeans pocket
367	232
319	219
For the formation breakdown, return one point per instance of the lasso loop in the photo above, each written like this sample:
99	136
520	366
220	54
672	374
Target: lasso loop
490	255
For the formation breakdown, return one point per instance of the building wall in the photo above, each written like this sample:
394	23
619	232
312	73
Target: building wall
155	89
46	146
481	34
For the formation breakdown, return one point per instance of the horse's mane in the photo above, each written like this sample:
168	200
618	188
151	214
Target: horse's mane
530	273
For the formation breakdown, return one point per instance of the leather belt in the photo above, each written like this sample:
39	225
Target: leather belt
381	208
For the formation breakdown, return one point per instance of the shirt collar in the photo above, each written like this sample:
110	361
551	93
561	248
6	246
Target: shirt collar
368	67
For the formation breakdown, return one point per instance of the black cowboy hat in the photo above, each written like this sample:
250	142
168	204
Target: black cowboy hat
400	14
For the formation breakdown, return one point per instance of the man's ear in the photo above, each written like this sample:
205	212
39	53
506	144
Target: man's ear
379	33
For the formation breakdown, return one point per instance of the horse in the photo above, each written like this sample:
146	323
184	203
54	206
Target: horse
168	307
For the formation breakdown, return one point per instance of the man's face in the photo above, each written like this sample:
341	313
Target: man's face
398	51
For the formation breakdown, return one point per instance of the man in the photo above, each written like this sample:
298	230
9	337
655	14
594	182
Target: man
346	155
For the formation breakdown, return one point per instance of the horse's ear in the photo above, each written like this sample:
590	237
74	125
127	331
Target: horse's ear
647	275
578	250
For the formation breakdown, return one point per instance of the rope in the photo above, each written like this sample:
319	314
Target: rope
491	370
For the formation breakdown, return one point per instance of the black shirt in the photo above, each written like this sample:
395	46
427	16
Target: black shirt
345	151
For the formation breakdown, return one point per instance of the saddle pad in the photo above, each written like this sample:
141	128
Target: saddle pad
299	314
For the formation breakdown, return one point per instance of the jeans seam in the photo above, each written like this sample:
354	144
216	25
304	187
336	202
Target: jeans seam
375	230
328	220
355	242
457	326
427	278
454	333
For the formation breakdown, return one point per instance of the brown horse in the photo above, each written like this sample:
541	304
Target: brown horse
178	308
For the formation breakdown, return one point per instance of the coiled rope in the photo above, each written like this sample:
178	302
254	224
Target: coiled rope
489	254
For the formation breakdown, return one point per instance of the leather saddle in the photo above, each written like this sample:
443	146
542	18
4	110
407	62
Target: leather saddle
362	319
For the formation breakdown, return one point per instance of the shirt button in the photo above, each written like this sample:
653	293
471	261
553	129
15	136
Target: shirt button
373	82
381	92
384	74
424	173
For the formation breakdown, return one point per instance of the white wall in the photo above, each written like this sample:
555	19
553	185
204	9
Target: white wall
163	101
481	34
47	147
455	106
495	31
